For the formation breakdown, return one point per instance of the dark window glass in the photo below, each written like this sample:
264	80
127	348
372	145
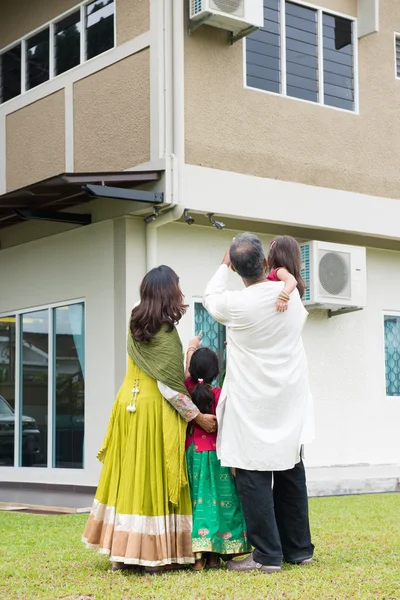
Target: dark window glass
69	386
338	62
35	362
99	27
398	56
10	73
301	52
37	59
7	390
214	334
67	43
263	51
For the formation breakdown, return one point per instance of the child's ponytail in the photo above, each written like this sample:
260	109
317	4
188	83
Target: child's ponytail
203	397
203	370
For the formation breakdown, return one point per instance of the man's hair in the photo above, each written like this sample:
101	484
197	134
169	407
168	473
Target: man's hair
247	256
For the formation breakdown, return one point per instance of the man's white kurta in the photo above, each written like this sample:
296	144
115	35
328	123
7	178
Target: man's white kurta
265	410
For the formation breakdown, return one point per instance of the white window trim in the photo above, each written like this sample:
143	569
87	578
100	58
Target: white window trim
387	313
50	400
396	37
283	94
50	24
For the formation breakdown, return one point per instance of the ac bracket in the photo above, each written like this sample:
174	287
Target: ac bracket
342	311
239	36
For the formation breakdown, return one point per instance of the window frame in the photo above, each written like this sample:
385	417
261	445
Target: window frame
51	383
396	37
320	10
387	313
50	24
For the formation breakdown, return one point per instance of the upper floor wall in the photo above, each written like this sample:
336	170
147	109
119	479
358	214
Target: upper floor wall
75	90
337	127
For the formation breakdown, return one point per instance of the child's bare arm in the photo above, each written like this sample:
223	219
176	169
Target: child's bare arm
194	344
290	285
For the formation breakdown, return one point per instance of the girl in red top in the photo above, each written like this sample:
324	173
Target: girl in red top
218	523
284	262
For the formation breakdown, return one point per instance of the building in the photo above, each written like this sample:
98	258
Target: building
292	130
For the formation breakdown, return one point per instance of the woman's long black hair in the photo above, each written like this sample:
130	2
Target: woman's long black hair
161	303
203	367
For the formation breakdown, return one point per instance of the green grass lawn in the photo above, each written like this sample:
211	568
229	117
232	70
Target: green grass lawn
357	555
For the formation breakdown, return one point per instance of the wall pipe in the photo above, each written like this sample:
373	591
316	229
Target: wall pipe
174	130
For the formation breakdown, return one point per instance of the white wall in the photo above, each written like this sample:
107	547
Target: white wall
355	422
76	264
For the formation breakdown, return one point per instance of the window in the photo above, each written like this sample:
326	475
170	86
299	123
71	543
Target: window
66	42
42	386
100	27
7	389
37	59
304	53
214	334
10	74
392	354
397	53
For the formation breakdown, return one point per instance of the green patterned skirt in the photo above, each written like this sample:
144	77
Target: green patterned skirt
218	521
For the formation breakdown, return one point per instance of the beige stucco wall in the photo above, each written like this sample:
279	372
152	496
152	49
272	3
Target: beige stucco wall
133	18
229	127
35	141
112	116
20	17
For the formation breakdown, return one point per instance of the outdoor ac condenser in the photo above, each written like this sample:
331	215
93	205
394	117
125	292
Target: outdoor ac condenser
234	15
335	275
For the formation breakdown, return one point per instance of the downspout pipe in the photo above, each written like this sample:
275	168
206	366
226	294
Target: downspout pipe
174	150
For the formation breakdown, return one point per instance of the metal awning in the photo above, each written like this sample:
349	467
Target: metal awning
48	199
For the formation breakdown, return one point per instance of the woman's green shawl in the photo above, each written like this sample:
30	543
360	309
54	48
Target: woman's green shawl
162	359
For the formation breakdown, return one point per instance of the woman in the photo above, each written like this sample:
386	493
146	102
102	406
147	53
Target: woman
141	514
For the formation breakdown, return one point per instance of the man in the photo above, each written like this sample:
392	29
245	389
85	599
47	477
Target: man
265	410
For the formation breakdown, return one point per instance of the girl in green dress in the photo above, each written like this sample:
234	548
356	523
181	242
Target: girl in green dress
142	513
218	523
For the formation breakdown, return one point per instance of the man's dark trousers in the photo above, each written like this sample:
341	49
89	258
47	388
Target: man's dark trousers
277	518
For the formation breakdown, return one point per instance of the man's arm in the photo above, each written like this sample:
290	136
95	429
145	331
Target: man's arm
215	299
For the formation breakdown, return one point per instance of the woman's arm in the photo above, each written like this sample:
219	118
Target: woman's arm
290	285
187	409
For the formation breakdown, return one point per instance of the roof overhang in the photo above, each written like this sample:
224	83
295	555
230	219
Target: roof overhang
48	199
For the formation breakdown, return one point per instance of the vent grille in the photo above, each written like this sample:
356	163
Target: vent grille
398	56
334	274
305	270
230	7
196	6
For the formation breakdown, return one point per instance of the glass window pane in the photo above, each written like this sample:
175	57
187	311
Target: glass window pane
338	62
34	383
100	27
69	386
263	51
214	334
10	74
7	390
67	43
37	59
392	355
301	52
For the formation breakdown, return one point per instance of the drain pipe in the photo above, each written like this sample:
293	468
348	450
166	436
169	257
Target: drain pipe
174	132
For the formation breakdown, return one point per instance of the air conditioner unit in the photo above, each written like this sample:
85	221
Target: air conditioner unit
234	15
335	275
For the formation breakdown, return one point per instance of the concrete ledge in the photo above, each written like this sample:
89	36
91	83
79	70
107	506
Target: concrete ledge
353	479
